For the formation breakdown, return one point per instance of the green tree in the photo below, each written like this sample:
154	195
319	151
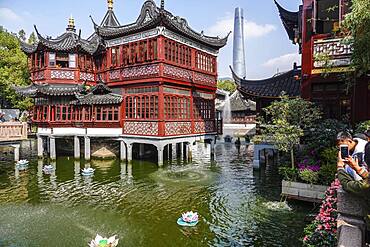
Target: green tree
13	69
286	121
22	35
357	29
32	39
226	85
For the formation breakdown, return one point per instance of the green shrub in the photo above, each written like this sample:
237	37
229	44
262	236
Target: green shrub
327	173
324	134
328	168
309	176
329	156
289	173
362	127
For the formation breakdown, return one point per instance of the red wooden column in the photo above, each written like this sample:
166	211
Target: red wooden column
161	122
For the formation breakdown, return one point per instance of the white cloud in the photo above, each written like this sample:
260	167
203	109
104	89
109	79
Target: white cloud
251	29
283	62
7	14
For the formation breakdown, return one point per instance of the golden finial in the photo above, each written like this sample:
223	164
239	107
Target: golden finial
71	24
110	4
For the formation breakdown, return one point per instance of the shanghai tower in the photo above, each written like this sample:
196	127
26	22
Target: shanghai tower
238	50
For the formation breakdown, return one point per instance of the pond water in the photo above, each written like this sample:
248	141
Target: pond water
140	203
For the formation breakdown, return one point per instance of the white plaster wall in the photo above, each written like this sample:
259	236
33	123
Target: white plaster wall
104	131
46	131
68	131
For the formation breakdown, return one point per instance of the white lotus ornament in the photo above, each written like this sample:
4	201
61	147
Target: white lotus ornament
99	241
48	169
188	219
23	163
88	171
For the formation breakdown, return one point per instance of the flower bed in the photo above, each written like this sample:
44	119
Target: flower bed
323	230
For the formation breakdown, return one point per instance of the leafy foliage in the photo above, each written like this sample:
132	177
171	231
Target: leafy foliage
289	173
323	134
309	176
13	69
286	121
226	85
32	39
357	25
327	173
362	127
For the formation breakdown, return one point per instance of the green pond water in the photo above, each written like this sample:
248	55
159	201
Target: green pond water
140	203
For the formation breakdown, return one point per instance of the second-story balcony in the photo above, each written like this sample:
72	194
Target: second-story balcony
331	55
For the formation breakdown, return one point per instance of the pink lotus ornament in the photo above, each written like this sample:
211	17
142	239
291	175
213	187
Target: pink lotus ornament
99	241
190	217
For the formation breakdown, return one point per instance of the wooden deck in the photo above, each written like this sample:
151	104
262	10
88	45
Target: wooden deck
13	131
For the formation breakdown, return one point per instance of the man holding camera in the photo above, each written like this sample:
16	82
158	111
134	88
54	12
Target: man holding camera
351	156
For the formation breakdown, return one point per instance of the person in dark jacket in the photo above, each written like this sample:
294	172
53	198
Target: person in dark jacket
360	188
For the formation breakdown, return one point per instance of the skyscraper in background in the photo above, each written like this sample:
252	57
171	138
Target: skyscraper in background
238	49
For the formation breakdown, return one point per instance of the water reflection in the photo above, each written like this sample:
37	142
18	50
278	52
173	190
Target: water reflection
141	203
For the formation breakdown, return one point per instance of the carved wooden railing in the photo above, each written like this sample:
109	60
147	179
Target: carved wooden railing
13	131
243	120
331	55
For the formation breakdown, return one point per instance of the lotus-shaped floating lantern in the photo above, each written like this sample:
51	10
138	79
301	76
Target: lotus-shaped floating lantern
99	241
88	171
188	219
48	169
23	163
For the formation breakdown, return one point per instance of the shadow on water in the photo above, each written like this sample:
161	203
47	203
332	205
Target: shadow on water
141	203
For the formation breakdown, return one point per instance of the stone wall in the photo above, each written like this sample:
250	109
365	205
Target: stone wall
351	225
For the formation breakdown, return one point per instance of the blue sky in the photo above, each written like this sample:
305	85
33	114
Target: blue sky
268	48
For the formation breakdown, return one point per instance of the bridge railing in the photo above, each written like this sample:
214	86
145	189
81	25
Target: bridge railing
13	131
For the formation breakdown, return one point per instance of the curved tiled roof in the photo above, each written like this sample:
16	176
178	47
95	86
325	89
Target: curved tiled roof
273	87
290	20
237	103
46	89
68	41
92	99
151	16
110	19
101	94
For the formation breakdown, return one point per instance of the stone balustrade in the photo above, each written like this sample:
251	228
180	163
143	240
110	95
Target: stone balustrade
351	225
13	131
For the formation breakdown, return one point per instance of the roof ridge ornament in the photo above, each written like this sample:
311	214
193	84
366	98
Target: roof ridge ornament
162	4
110	4
71	24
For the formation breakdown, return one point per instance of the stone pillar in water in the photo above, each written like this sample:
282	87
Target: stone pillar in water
53	151
40	147
141	150
87	148
77	149
160	155
212	149
122	151
16	151
184	153
129	152
238	49
190	153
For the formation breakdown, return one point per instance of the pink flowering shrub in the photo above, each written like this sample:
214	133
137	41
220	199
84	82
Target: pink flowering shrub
323	230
